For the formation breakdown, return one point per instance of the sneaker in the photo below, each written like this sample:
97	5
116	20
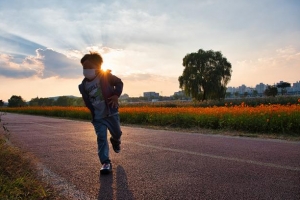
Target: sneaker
115	145
106	168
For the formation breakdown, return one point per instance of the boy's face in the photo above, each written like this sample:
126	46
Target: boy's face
90	69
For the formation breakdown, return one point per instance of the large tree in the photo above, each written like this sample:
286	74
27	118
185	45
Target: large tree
16	101
205	75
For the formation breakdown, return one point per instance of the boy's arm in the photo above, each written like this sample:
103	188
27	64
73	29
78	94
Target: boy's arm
83	95
118	88
117	83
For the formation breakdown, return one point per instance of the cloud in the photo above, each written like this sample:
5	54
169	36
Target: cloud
58	64
9	68
136	77
282	65
12	43
46	63
287	58
136	84
143	41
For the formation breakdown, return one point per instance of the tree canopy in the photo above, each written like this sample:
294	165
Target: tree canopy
205	75
16	101
271	91
283	85
41	102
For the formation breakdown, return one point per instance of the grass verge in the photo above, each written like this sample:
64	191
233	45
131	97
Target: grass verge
18	177
205	131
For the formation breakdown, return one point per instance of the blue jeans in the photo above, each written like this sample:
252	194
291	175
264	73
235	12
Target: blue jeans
112	123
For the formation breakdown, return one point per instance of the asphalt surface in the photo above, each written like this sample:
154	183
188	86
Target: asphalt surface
158	164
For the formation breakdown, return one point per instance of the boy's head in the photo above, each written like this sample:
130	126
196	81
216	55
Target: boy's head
93	60
91	64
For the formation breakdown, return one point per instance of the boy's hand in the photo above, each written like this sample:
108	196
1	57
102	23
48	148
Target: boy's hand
113	101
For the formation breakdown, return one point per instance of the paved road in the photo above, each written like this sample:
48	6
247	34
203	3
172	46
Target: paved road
157	164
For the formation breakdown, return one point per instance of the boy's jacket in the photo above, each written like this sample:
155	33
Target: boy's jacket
110	85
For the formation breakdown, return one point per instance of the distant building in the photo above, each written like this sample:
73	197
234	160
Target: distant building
234	92
260	88
179	93
242	89
151	95
231	90
124	97
296	87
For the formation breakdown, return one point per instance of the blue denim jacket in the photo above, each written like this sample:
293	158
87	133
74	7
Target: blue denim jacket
110	85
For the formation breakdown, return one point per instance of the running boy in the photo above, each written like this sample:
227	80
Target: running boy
100	91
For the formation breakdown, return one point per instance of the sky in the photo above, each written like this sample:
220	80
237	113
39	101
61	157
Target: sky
143	42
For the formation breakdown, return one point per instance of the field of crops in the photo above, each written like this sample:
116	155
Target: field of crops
266	119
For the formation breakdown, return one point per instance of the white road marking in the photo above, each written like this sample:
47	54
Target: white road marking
60	184
219	157
45	125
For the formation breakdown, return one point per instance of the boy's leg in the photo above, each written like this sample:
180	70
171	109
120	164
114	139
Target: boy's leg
103	148
113	125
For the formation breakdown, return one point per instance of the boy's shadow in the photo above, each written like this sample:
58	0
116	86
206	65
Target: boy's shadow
106	186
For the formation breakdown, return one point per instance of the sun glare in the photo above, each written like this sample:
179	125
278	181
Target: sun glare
104	68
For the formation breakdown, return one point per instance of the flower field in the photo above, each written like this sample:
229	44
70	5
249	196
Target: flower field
282	119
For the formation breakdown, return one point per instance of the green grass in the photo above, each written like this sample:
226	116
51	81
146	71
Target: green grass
18	178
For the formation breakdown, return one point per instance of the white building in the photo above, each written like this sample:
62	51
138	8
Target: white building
241	90
179	93
260	88
231	90
296	87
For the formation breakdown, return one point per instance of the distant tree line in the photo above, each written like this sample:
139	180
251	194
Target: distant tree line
18	101
60	101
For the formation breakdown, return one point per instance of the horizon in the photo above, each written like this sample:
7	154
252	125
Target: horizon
56	96
143	43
